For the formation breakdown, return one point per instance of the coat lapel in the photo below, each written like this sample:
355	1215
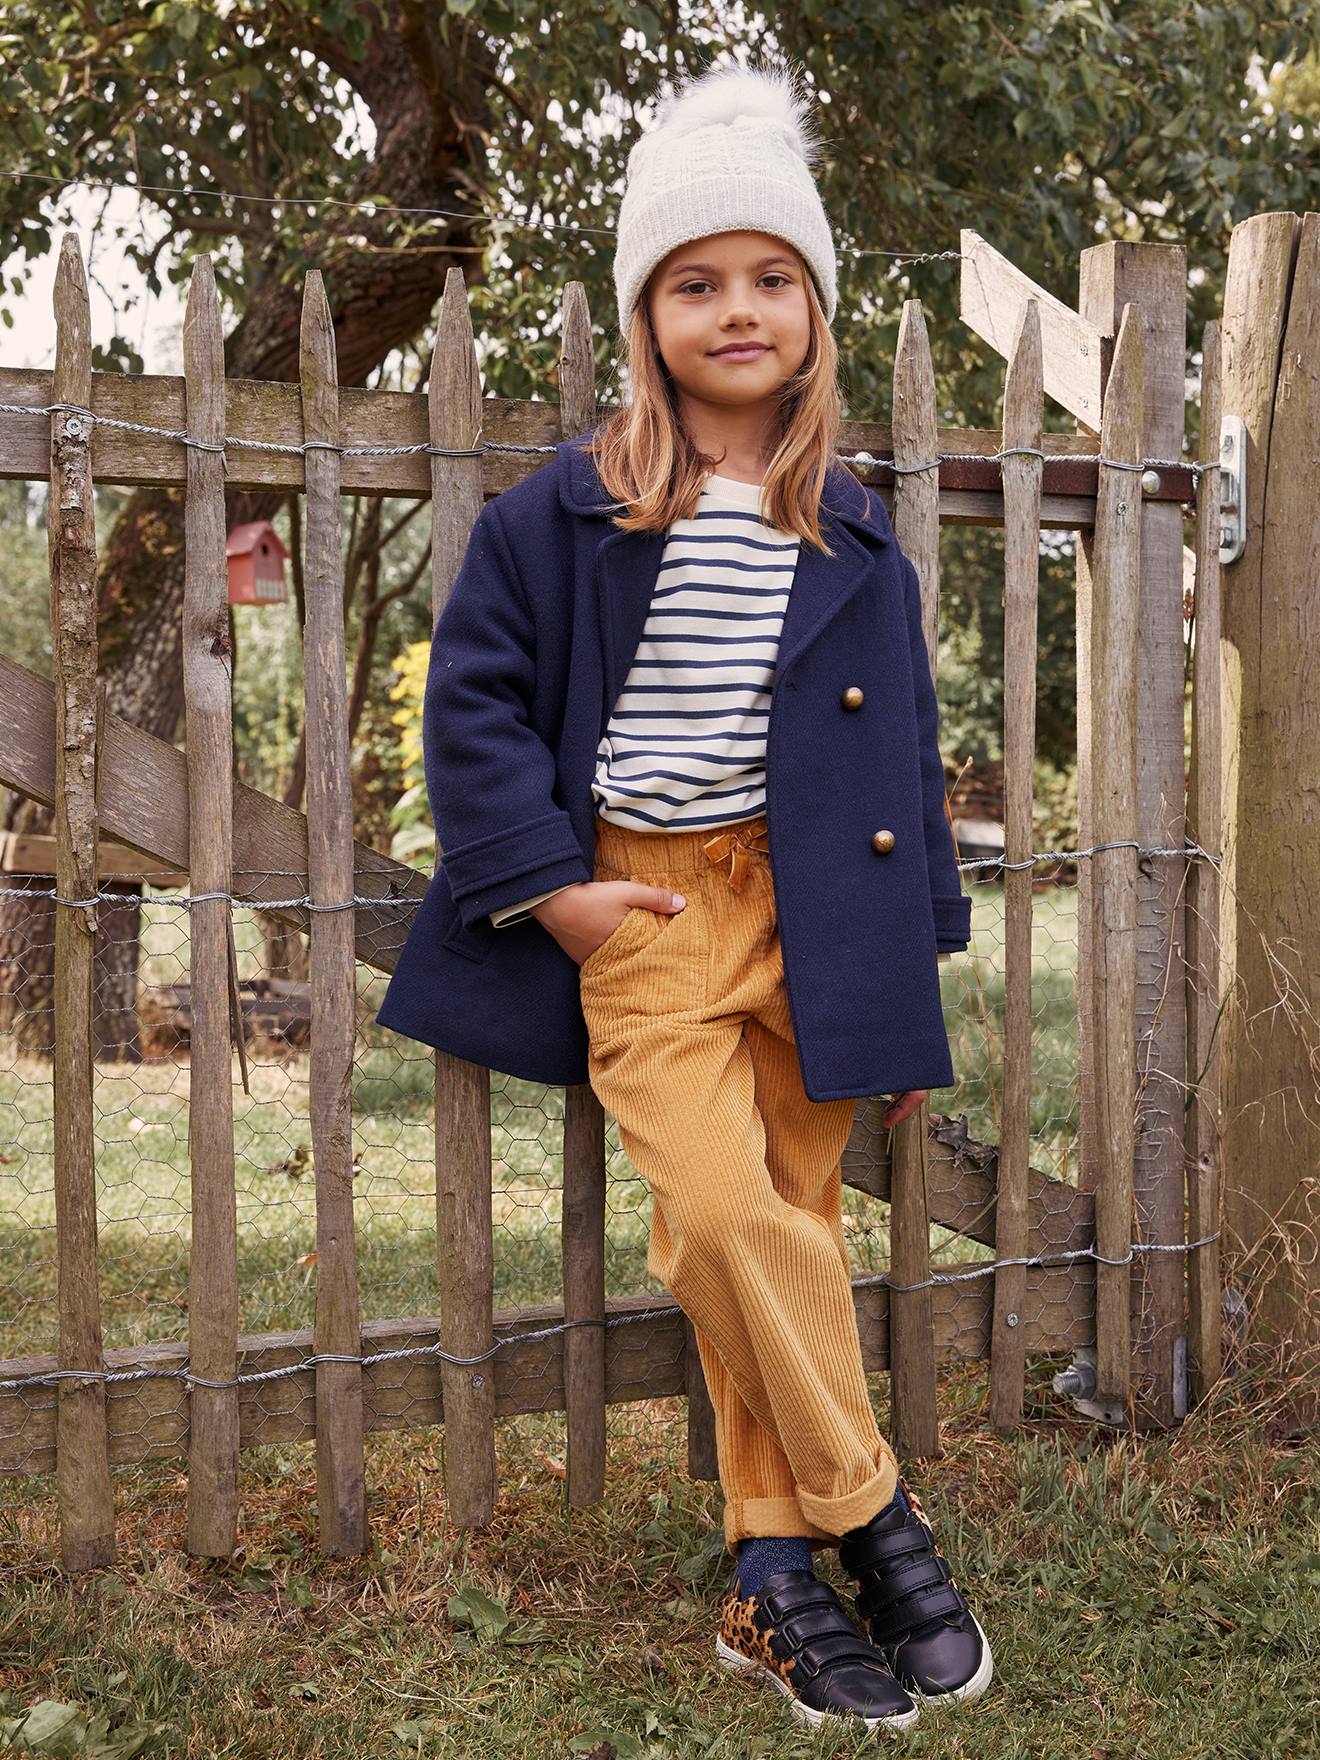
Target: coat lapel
628	564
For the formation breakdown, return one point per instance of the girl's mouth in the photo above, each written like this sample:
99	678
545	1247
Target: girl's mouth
753	352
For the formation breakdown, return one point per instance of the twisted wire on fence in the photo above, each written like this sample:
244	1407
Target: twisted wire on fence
186	900
867	459
1038	1261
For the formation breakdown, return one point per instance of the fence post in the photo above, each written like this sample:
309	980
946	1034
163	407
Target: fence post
1111	998
86	1502
213	1428
1205	827
702	1437
340	1485
914	1416
1023	419
463	1173
1270	921
1154	278
584	1216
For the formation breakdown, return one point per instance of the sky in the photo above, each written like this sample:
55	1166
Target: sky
153	324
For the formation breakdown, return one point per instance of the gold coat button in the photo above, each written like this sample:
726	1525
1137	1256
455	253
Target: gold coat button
852	697
883	841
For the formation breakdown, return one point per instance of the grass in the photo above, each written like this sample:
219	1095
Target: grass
1157	1599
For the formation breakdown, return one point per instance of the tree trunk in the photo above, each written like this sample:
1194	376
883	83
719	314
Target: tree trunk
428	104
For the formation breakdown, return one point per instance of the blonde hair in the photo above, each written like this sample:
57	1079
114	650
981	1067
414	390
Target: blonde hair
649	464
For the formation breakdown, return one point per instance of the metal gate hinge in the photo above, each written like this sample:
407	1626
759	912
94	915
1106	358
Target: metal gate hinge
1232	488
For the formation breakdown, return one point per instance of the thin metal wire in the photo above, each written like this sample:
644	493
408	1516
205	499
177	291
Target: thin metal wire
186	900
301	448
415	1352
1041	1259
1117	464
510	222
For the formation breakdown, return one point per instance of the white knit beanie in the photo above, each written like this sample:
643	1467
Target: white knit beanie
732	152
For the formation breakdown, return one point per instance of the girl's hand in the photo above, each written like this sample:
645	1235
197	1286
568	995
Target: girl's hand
581	917
903	1105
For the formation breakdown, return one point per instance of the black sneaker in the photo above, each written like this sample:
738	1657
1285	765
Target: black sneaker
795	1633
914	1611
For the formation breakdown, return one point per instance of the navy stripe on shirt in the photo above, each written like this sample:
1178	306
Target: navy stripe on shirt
686	740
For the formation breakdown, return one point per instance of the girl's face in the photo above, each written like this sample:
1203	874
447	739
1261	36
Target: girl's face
731	288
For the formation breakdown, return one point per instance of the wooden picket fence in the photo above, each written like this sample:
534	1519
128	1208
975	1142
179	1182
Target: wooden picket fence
1066	1276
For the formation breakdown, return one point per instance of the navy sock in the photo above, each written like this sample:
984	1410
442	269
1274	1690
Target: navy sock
759	1557
898	1501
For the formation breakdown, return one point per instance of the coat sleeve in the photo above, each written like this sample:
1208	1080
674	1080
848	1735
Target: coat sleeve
489	776
953	909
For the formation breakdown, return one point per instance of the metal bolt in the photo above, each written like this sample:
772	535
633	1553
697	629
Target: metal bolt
74	428
1086	348
1010	1319
1150	482
1122	507
478	1381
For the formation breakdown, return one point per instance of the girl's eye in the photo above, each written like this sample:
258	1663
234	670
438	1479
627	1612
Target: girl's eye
773	275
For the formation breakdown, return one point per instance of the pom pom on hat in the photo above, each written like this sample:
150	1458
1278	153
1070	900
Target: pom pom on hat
738	94
733	151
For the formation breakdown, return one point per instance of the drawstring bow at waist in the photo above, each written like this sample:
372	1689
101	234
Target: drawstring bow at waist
728	843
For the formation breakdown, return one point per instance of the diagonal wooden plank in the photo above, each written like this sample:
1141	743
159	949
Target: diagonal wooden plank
144	803
1074	353
962	1184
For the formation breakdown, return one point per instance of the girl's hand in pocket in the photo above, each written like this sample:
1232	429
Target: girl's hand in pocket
903	1105
582	917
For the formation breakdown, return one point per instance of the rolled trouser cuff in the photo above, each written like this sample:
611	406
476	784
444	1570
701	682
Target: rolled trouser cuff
835	1515
755	1518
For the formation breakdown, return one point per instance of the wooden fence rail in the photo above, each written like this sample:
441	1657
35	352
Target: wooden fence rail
1066	1276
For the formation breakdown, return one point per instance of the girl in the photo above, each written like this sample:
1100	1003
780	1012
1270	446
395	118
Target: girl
682	754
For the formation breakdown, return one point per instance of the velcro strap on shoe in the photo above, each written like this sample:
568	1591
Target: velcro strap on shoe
889	1591
903	1577
875	1551
786	1603
896	1619
833	1649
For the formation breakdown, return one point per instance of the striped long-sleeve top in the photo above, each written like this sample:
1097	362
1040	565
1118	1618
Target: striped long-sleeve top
685	745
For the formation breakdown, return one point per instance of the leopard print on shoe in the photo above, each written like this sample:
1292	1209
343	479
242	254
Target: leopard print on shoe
740	1632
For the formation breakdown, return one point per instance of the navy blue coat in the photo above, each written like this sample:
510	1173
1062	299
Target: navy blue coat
527	660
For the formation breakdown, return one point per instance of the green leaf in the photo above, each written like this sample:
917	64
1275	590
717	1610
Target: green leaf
473	1607
52	1727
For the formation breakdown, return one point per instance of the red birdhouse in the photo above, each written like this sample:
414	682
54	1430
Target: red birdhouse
256	564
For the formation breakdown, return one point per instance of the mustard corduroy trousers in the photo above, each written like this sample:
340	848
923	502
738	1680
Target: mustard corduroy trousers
691	1049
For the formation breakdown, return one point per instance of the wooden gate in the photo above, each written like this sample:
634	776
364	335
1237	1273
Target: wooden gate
1092	1268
